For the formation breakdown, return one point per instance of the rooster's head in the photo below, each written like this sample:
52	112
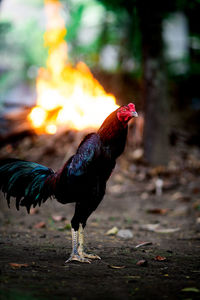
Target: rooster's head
126	112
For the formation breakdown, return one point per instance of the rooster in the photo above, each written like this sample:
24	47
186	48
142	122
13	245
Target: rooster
81	180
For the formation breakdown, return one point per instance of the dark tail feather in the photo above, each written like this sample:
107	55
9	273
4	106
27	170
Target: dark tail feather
30	183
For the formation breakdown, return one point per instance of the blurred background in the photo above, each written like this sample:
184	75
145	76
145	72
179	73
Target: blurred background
140	51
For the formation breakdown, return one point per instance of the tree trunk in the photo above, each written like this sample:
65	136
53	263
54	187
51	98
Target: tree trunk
156	141
156	103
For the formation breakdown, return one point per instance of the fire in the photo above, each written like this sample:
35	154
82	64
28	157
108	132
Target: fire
67	95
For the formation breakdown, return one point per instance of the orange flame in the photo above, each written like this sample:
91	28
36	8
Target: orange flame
66	95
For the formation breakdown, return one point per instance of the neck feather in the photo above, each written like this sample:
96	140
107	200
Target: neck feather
111	127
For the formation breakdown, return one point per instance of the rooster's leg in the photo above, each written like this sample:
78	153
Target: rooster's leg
75	255
81	245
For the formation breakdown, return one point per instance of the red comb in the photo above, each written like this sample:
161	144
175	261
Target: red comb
131	106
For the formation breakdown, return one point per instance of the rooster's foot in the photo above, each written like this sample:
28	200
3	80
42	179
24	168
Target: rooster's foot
76	257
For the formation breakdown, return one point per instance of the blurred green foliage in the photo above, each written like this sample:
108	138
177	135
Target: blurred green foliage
110	27
21	52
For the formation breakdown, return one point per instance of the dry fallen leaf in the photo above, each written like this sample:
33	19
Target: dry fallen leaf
144	196
57	218
132	277
112	231
157	170
190	289
116	267
34	211
159	211
143	244
40	225
150	227
159	258
198	220
137	154
116	189
142	263
176	196
18	266
167	230
155	228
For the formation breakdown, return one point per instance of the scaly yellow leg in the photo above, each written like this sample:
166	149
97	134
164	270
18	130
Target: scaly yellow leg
81	245
76	255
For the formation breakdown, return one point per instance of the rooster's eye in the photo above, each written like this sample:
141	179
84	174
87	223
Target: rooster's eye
124	109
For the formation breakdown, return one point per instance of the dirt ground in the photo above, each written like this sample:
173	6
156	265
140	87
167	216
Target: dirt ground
33	248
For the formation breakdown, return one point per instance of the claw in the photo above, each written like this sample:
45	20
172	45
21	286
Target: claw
91	256
79	258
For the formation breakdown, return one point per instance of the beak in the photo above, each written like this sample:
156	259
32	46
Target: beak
135	114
